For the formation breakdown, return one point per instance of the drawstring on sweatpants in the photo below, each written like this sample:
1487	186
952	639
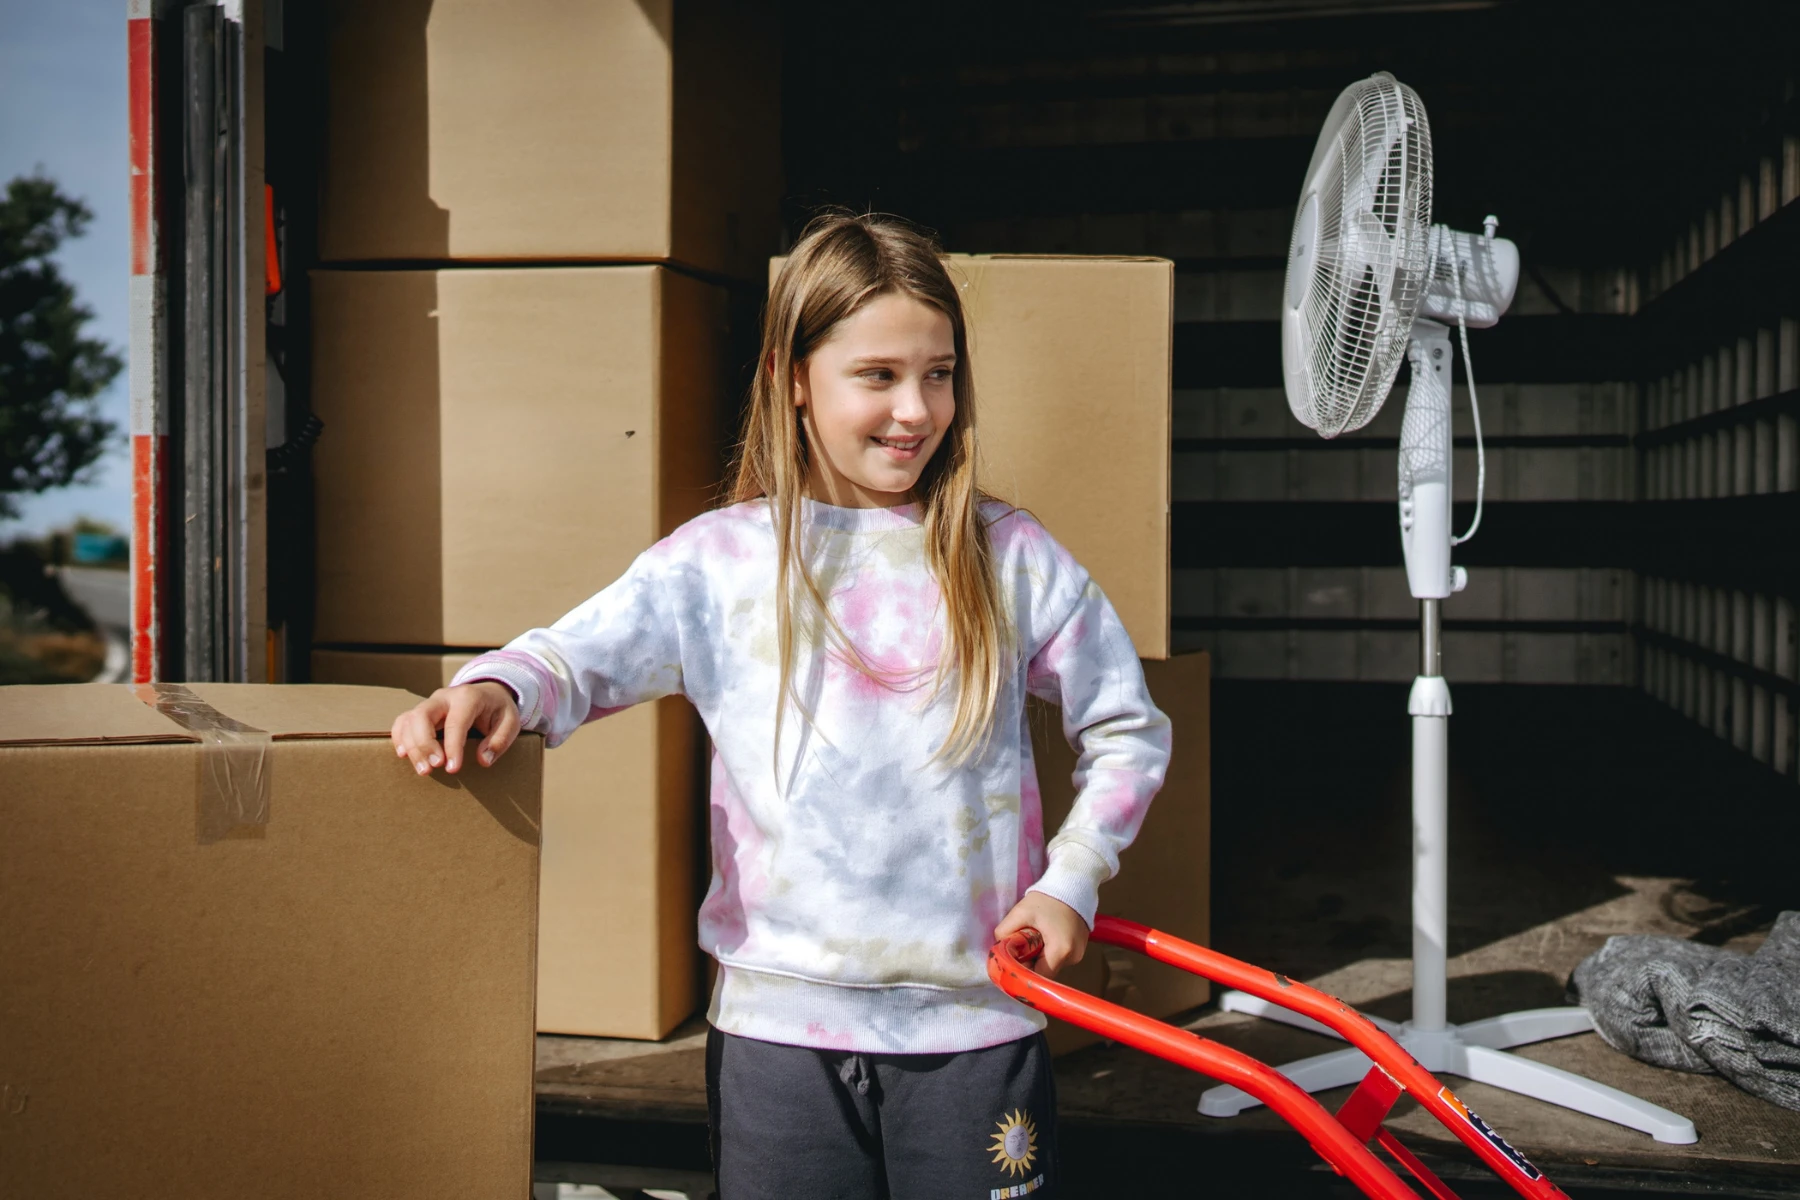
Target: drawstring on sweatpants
854	1072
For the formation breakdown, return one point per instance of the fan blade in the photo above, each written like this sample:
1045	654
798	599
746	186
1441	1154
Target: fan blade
1368	199
1341	362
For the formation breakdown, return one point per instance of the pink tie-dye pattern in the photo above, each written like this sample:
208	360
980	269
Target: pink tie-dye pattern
1114	807
729	541
898	664
541	675
821	1038
1060	653
857	605
990	906
741	878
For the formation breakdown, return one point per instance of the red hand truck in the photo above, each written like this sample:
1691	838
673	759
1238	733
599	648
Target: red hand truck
1341	1140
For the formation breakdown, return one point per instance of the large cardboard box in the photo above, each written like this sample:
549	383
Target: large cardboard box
1165	876
618	952
247	951
553	130
500	443
1072	383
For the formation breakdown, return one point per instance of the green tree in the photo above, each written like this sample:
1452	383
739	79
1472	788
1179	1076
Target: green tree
51	377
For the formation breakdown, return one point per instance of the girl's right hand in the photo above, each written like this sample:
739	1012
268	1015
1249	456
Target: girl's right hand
483	705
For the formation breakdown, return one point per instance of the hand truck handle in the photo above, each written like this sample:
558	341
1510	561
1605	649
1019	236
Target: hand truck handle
1398	1070
1334	1143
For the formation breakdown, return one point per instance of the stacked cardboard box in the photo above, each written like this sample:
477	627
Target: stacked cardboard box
539	392
1072	382
503	442
250	952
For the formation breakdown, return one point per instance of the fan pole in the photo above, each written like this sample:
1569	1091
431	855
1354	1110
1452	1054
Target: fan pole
1431	842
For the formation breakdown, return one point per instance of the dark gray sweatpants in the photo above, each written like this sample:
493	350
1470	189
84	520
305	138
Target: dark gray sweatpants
792	1123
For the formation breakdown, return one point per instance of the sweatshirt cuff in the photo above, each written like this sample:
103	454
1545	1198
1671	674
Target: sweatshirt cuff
1074	877
515	677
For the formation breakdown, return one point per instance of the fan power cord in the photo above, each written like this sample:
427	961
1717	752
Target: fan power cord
1462	327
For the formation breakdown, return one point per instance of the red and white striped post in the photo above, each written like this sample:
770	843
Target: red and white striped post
149	359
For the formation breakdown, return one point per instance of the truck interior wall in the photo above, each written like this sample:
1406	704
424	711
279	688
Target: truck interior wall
1184	130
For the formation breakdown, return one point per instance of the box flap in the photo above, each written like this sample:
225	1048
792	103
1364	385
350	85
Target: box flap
309	709
96	712
82	712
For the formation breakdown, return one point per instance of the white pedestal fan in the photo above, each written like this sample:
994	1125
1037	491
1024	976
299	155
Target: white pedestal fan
1369	281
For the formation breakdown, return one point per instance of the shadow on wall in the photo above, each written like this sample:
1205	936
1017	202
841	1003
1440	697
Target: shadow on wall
378	472
375	332
551	131
375	185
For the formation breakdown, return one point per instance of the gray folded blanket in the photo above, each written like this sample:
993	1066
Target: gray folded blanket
1679	1004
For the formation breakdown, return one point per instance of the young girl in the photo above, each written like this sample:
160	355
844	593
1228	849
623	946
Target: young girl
859	629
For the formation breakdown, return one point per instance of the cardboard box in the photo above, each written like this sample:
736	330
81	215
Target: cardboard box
553	129
1165	876
1072	381
1072	384
249	952
501	443
618	951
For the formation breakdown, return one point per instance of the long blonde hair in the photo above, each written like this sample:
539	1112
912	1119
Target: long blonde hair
841	263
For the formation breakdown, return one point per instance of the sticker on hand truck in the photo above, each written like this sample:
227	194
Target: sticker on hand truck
1492	1138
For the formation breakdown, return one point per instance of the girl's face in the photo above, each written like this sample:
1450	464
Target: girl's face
876	399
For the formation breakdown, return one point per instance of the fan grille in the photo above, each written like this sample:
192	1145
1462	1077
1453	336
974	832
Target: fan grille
1374	211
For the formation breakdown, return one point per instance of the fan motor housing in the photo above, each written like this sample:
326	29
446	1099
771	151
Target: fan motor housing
1490	276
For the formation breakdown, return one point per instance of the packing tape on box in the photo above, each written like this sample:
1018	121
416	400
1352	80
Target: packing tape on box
232	796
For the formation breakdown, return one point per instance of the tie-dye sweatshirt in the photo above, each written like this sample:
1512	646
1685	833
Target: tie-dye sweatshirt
857	880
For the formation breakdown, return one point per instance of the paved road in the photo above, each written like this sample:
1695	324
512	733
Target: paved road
105	594
107	597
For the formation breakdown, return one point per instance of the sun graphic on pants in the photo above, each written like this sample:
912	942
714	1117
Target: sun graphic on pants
1015	1146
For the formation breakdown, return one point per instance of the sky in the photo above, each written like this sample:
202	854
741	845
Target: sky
62	108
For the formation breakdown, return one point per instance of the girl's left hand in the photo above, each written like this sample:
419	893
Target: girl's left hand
1065	933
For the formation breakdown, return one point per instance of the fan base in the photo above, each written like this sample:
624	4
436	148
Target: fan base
1474	1051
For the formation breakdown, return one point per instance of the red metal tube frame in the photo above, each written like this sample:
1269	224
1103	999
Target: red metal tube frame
1340	1140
